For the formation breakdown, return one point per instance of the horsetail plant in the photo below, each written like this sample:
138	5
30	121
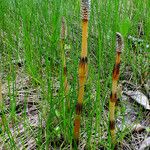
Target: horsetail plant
62	37
83	67
115	77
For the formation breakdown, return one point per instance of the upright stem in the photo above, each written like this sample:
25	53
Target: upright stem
66	85
84	38
83	67
115	78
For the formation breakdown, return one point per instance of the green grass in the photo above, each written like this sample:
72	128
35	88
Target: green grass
30	33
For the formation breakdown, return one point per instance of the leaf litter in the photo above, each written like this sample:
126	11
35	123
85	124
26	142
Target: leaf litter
139	98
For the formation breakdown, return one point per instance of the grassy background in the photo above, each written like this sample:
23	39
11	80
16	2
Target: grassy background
30	38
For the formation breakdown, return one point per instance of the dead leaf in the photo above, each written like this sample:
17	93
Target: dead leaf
139	98
145	144
138	128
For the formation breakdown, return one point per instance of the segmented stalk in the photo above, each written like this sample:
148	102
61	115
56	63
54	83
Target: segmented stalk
83	67
63	35
115	77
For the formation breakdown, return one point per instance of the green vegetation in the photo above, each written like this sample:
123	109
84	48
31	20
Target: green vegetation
33	111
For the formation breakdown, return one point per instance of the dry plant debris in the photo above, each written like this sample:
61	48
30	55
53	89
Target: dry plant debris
139	98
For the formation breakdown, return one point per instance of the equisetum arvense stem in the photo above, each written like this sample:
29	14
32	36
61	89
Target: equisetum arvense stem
65	82
83	67
115	78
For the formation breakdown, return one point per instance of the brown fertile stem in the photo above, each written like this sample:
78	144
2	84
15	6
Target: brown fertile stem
115	77
66	85
83	67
